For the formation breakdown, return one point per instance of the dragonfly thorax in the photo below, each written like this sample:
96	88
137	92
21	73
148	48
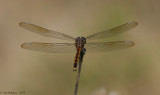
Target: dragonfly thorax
80	41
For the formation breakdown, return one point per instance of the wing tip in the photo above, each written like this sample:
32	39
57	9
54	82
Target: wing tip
24	44
131	43
133	22
23	23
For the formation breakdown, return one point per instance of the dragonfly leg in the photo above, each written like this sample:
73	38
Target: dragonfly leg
82	54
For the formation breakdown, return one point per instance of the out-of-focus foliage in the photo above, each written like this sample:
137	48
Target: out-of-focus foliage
133	71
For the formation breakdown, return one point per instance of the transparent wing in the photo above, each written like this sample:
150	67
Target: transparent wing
50	47
107	46
45	32
112	32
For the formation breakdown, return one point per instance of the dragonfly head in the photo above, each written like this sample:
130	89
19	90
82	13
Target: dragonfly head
81	40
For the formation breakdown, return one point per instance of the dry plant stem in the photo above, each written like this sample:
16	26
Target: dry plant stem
79	69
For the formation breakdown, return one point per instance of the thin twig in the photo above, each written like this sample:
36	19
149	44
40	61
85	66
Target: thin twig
79	70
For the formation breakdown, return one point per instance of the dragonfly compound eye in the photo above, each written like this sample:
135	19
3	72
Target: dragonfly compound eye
78	39
83	40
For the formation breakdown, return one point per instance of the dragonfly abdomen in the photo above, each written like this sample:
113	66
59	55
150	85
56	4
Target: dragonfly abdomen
76	59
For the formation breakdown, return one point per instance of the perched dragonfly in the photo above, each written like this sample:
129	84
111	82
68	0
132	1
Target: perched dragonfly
80	42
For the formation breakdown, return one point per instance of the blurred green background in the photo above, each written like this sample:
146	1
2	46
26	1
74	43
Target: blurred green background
133	71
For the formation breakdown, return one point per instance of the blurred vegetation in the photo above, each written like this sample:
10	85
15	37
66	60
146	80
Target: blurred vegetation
133	71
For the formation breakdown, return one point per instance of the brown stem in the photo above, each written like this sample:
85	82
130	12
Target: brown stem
79	70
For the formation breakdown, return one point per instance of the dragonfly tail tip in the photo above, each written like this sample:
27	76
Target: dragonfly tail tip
74	69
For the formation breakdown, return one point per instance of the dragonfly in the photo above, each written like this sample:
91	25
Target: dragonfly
79	43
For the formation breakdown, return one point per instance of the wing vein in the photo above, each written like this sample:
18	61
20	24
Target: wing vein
113	31
45	32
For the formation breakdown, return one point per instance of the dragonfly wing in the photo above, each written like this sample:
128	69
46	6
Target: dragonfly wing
50	47
112	32
45	32
107	46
